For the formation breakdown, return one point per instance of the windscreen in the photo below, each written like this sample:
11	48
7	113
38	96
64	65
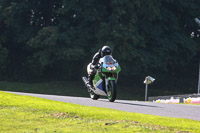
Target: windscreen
108	59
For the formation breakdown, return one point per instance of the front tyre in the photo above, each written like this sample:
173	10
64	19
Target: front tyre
112	91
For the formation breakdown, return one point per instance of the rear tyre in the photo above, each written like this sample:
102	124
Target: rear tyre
93	96
112	91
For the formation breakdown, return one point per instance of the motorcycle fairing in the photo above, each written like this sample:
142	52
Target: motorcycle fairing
98	85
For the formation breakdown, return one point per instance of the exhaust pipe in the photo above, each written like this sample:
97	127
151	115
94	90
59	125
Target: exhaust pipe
85	80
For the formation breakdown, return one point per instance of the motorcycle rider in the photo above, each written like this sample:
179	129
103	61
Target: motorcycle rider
105	50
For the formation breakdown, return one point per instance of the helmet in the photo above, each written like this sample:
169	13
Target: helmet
106	50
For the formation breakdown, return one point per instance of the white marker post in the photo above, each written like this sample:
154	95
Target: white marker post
148	80
198	92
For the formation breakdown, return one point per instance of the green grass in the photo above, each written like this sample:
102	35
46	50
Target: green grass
67	88
30	114
58	88
74	88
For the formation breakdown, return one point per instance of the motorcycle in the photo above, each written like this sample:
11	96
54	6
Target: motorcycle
105	80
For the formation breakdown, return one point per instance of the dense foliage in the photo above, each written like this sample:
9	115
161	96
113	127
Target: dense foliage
56	39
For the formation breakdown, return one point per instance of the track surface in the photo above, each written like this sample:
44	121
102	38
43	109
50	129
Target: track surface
161	109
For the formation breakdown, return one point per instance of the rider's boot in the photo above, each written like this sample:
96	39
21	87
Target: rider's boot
90	79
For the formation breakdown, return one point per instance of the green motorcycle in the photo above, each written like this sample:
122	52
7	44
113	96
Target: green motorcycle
104	83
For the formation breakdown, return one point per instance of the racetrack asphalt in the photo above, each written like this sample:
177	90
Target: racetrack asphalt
161	109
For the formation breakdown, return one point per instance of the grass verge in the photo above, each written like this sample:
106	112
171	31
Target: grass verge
68	88
31	114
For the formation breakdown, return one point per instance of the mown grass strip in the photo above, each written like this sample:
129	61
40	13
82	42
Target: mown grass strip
66	88
31	114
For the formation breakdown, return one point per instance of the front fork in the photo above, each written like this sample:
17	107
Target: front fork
107	82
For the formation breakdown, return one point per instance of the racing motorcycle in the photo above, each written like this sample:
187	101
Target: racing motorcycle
104	83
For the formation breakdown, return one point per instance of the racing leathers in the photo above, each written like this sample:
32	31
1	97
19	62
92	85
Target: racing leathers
94	66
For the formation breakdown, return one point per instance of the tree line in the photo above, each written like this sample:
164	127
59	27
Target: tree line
56	39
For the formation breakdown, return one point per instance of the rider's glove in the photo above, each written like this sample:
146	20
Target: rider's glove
96	66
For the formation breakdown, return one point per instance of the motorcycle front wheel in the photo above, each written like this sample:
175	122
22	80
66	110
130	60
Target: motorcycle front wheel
112	91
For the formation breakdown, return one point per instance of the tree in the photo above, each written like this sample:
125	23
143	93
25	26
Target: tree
40	38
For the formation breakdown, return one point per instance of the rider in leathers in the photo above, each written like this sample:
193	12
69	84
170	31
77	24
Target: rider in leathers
106	50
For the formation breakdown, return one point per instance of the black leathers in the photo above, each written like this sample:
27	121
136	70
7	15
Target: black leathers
94	63
96	58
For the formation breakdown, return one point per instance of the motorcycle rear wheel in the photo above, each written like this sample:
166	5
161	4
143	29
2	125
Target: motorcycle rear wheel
92	95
